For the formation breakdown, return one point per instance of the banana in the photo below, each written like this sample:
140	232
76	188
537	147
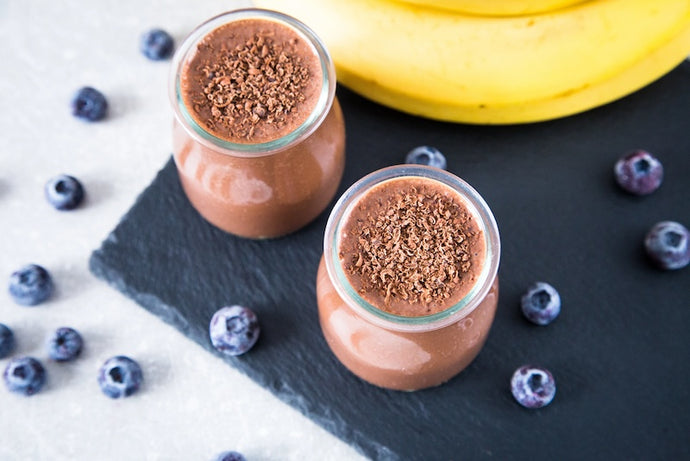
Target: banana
497	70
497	7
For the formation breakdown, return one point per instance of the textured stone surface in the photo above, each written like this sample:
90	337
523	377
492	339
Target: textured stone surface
617	351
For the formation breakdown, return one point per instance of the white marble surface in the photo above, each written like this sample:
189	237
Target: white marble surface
192	405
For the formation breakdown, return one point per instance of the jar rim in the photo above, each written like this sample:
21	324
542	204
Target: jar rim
475	204
315	118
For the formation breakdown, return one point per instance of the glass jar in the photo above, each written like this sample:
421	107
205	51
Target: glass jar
263	189
394	351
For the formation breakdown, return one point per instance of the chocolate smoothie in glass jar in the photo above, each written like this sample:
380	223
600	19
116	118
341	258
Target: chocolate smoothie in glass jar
258	136
407	287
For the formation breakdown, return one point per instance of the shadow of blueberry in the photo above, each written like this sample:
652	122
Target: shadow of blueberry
96	192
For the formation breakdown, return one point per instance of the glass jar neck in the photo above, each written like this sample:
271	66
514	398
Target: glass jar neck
474	203
186	52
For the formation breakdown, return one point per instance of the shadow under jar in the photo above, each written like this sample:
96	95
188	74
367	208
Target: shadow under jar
407	287
258	135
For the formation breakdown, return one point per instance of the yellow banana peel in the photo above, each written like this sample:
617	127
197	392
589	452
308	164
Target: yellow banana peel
496	7
497	70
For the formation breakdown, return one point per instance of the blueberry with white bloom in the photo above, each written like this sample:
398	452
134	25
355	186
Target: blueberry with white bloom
156	44
667	245
65	344
541	303
30	285
533	387
427	155
6	340
24	375
119	377
639	172
234	330
230	456
89	104
64	192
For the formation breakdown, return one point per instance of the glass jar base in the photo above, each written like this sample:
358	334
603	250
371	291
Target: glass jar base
396	360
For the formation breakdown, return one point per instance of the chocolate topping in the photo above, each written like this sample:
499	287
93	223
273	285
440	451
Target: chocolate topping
411	245
249	80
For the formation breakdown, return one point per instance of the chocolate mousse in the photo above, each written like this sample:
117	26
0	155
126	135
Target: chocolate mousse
251	81
410	247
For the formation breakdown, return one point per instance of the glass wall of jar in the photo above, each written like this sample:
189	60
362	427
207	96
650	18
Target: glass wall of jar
258	135
403	352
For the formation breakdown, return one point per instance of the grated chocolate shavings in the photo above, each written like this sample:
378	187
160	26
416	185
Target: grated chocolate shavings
414	247
259	81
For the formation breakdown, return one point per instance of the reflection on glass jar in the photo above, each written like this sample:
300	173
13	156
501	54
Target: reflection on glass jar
393	338
258	136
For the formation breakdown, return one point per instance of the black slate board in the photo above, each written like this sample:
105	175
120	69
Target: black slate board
619	350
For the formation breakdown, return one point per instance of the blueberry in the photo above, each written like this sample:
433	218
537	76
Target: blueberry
6	340
667	245
31	285
156	44
533	387
120	376
230	456
25	375
65	344
89	104
234	330
541	303
426	155
64	192
639	172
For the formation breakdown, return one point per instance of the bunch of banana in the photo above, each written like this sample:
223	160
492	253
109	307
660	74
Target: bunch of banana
497	61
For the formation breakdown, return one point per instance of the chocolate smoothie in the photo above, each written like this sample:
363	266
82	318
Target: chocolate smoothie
412	248
251	81
259	137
